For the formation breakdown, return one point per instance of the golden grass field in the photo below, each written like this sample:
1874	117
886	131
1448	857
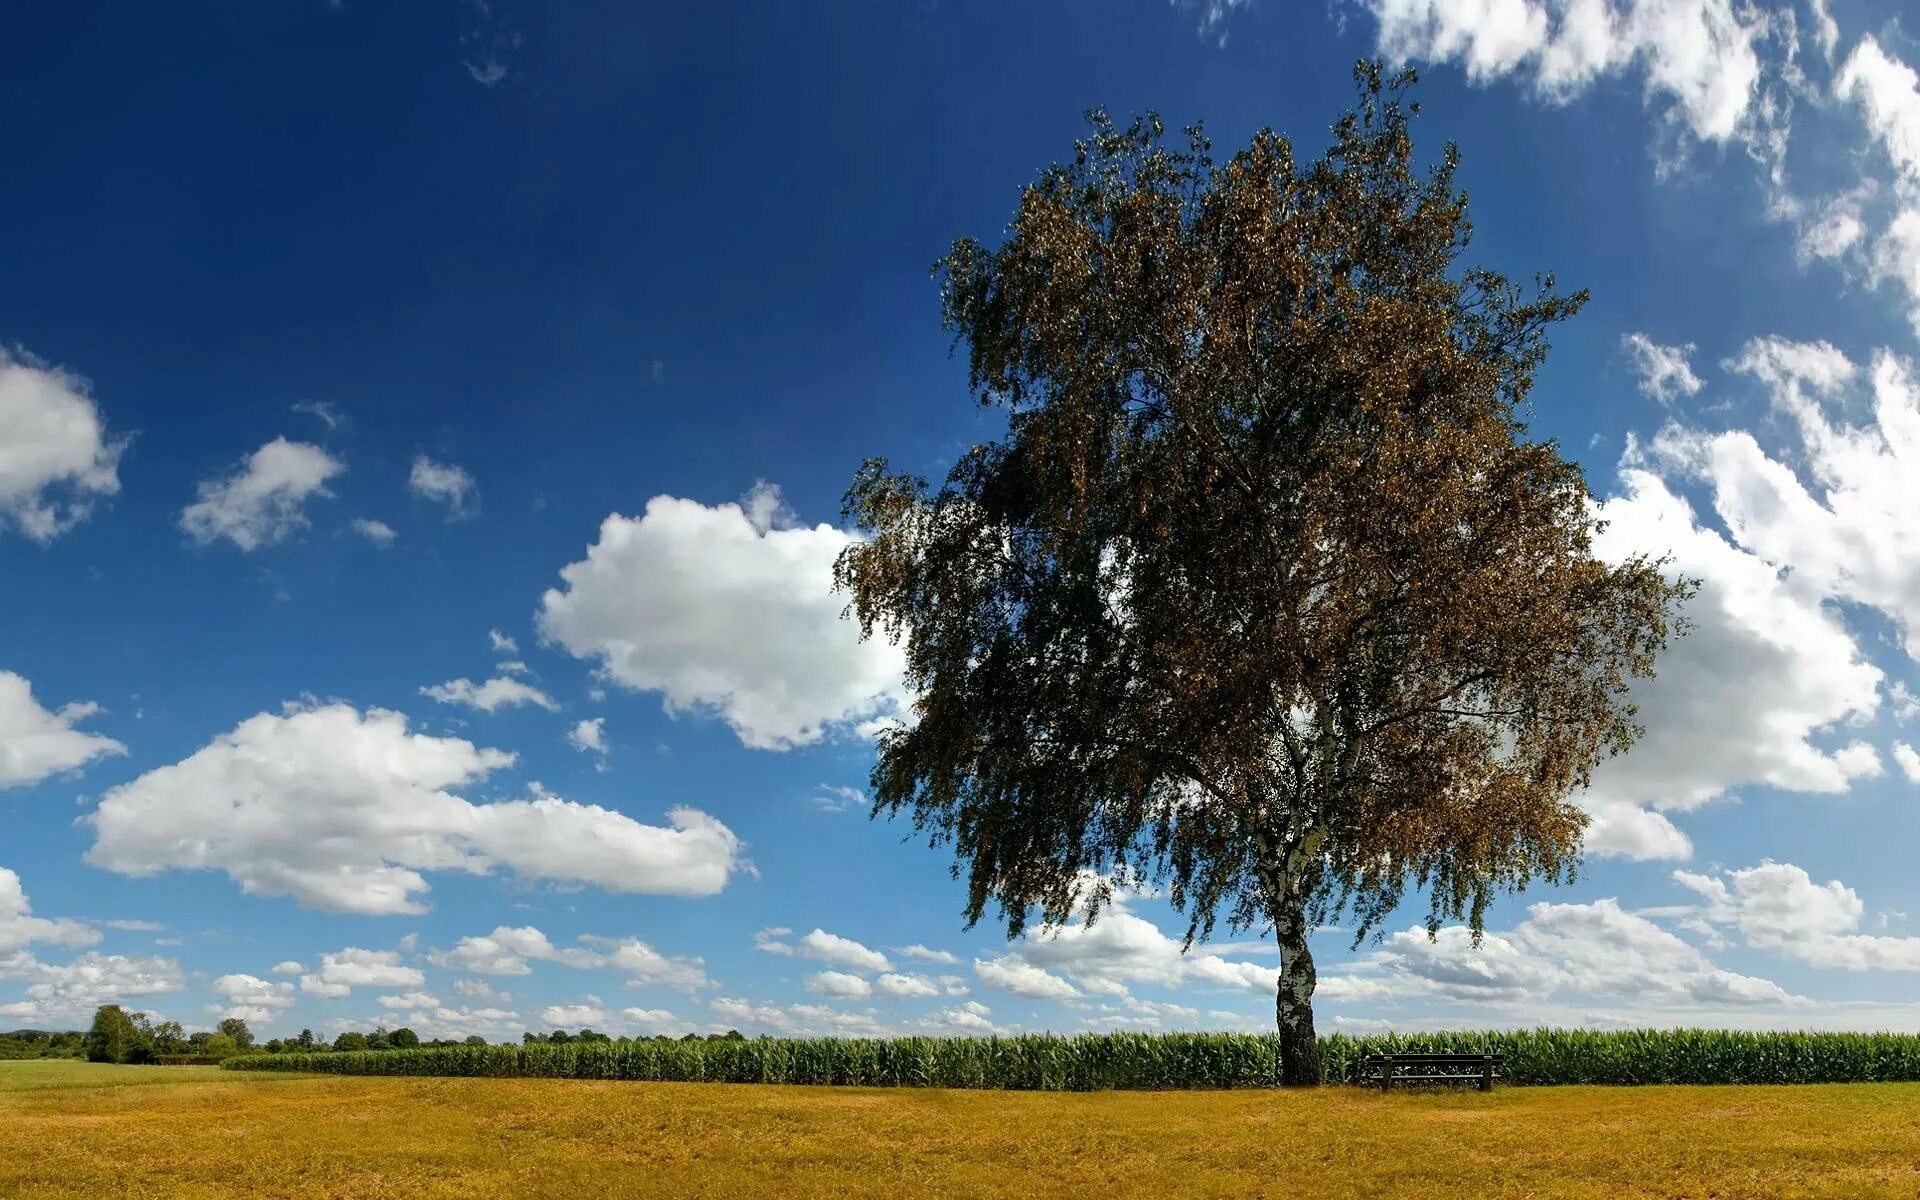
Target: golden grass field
72	1129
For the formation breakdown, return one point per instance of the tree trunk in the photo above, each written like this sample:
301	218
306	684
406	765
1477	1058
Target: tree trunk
1293	1006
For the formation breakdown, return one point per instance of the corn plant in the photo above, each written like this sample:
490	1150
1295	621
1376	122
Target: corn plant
1102	1061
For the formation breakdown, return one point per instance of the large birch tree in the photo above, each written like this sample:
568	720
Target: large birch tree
1267	594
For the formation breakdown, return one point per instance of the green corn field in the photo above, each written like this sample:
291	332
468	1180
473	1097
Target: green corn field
1101	1061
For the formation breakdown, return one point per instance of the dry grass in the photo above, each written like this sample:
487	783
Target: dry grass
69	1129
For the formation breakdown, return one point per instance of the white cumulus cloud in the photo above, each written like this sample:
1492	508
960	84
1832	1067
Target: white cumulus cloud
478	989
446	484
343	970
508	950
839	983
378	532
491	696
1777	907
1908	761
589	735
728	610
1699	58
252	992
1010	973
64	995
18	925
582	1015
1765	678
926	954
822	947
1110	956
35	743
892	984
1665	372
1887	92
806	1020
1577	952
343	811
55	456
263	500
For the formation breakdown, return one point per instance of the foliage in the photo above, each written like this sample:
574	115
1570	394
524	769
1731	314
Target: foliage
304	1042
1096	1062
217	1046
114	1037
236	1029
1267	593
39	1043
118	1036
166	1037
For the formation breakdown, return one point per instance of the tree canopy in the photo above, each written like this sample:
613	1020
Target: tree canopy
114	1037
1266	594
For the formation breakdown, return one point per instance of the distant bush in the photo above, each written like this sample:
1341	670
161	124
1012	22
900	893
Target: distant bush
1091	1062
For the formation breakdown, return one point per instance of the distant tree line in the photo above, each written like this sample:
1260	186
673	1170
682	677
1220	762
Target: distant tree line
119	1036
561	1037
42	1043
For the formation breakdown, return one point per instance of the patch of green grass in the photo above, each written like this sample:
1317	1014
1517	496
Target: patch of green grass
40	1074
81	1131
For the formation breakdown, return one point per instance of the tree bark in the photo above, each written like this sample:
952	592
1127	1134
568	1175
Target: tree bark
1293	1004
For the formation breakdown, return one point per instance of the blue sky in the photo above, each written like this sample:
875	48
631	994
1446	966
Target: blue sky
422	431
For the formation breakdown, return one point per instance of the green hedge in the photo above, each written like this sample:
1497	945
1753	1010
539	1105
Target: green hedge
1091	1062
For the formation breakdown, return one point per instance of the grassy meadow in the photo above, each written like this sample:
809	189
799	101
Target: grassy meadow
70	1129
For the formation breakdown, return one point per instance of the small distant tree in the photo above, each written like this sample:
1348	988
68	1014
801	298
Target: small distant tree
168	1037
1268	594
306	1040
236	1029
352	1039
113	1037
403	1038
218	1045
142	1049
474	1039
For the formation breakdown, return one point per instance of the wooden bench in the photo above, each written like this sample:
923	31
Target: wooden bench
1480	1069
